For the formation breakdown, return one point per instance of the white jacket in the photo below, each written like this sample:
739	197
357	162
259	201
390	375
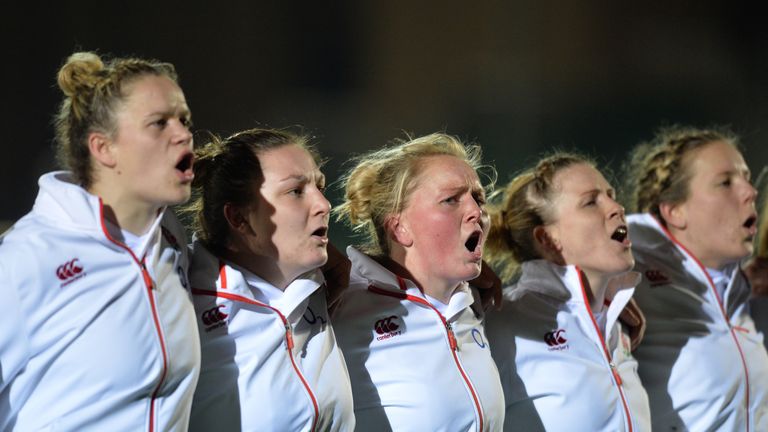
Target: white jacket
558	371
702	362
270	359
101	339
413	368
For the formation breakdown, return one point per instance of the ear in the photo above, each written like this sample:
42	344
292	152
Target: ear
100	146
675	215
546	240
236	219
398	231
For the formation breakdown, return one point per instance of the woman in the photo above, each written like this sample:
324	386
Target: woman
702	361
409	326
270	359
565	360
104	336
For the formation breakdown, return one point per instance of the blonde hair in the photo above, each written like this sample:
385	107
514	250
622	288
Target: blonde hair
523	204
226	171
659	170
382	181
92	90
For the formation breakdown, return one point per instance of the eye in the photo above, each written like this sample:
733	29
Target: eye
451	200
161	123
727	182
186	121
297	191
479	199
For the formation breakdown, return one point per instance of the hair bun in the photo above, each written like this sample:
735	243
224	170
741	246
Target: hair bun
81	70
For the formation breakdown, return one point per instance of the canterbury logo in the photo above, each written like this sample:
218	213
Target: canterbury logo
213	315
387	328
656	277
386	325
69	270
556	340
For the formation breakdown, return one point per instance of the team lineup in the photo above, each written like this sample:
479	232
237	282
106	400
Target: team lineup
649	318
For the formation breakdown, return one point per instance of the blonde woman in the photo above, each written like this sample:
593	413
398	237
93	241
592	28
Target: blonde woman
563	354
103	335
702	360
409	325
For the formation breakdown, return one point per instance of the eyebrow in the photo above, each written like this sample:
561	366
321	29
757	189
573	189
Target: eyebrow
594	191
300	177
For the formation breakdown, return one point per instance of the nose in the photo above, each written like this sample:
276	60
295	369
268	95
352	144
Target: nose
181	133
750	193
321	205
475	212
615	209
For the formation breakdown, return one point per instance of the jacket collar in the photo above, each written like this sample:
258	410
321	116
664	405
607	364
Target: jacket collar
69	206
565	284
366	272
230	277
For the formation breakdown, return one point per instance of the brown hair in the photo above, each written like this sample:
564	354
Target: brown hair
524	203
225	172
92	90
381	183
659	170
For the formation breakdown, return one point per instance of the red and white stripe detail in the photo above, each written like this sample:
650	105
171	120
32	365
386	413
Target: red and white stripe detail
288	331
153	307
451	339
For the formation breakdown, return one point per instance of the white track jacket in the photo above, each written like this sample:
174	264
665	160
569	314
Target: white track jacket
559	372
702	361
270	359
101	338
412	367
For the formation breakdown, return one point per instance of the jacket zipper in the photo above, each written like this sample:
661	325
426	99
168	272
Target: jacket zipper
608	357
153	307
731	328
452	343
289	344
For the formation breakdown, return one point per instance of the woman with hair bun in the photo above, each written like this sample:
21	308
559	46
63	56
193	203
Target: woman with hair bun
702	360
102	335
563	354
409	325
269	355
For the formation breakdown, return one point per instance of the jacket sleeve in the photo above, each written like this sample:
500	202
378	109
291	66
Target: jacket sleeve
13	343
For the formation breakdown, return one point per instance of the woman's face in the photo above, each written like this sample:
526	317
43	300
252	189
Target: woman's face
718	220
589	229
444	225
152	144
289	217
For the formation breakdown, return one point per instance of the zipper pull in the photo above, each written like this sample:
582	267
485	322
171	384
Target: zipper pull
615	374
451	337
288	336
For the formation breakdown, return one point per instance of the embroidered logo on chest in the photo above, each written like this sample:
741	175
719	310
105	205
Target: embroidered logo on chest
214	318
656	277
556	340
387	328
69	272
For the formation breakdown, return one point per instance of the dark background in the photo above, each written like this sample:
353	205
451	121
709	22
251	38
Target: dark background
518	77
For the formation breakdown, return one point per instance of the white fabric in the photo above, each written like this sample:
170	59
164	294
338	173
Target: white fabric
248	380
82	351
405	374
697	353
554	369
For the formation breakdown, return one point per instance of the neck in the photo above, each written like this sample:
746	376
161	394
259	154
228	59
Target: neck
407	267
595	286
263	267
128	214
692	246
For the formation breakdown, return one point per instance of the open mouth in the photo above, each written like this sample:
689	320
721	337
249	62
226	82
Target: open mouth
473	241
750	222
620	234
320	232
185	163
